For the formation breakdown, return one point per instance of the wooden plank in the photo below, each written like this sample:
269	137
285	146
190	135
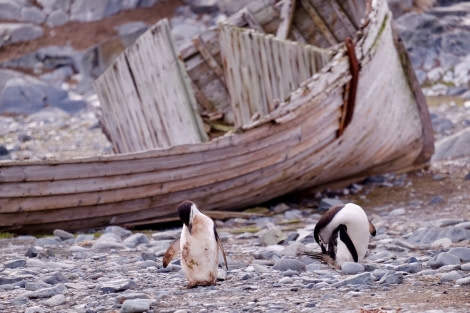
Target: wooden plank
156	107
287	12
251	20
318	20
247	54
210	60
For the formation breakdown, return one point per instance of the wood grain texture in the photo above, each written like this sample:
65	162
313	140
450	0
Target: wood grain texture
292	146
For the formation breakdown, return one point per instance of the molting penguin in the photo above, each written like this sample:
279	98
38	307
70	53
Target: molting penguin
343	233
199	245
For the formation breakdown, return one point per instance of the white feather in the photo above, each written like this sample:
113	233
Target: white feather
357	223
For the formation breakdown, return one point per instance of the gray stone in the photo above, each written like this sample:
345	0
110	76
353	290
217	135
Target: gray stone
204	6
463	281
62	234
10	10
451	276
454	146
327	203
167	235
411	268
14	33
110	236
47	292
286	280
15	263
285	264
32	252
290	273
36	285
280	208
48	241
314	267
430	234
358	279
442	259
130	4
92	10
13	280
55	300
135	305
462	253
117	285
271	236
441	243
293	249
107	245
135	239
352	268
260	268
147	263
34	309
130	296
32	14
118	230
26	95
465	267
81	238
55	278
52	5
148	256
392	278
131	27
377	274
57	18
147	3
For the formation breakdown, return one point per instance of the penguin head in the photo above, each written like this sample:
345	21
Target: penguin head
186	211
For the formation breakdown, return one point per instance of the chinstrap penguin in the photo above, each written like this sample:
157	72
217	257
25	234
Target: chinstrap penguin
199	245
343	233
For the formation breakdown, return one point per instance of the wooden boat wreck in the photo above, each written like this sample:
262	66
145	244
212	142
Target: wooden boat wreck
319	93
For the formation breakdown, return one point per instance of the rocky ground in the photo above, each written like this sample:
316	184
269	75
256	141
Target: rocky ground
418	262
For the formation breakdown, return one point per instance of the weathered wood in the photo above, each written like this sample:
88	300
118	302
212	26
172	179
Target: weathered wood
287	12
292	148
319	21
263	70
251	20
147	101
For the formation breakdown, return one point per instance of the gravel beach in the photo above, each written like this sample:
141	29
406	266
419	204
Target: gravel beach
419	261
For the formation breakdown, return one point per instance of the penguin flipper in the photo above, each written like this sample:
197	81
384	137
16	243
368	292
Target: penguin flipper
219	243
372	230
343	235
170	253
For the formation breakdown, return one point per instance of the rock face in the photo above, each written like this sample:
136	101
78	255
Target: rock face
438	39
22	94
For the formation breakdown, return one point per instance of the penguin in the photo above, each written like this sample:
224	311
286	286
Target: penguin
343	233
199	245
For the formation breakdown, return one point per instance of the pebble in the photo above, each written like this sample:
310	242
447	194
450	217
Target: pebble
462	253
135	306
285	264
120	271
131	278
451	276
352	268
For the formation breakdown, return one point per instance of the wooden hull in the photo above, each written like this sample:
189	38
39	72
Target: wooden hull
293	148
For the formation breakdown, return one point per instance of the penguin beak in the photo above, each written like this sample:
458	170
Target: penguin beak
190	227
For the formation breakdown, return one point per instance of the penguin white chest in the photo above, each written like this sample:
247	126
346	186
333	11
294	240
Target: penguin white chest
343	233
199	252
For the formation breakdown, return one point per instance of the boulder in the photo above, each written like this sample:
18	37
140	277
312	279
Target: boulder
13	33
453	147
